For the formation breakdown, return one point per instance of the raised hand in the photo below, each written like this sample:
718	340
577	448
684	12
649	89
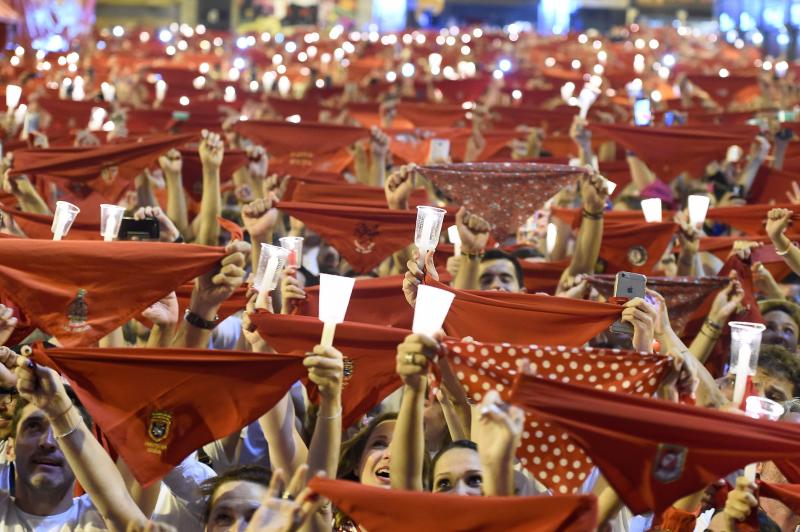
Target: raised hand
778	221
414	276
643	316
258	163
399	185
167	230
379	142
163	312
413	356
326	370
473	230
171	163
259	217
285	510
216	286
211	150
42	387
291	290
7	323
594	191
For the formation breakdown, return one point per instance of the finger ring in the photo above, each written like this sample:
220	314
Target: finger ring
288	496
409	359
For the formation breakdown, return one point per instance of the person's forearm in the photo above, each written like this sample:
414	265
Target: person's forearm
498	474
113	339
176	204
708	393
323	452
587	245
95	471
468	273
377	170
255	248
286	449
161	335
361	166
194	337
208	232
144	498
30	200
686	263
144	192
780	154
748	175
408	443
792	256
607	151
702	345
241	178
563	235
640	173
585	152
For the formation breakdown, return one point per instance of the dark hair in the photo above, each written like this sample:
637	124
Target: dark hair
458	444
352	449
777	361
499	254
527	253
247	473
22	403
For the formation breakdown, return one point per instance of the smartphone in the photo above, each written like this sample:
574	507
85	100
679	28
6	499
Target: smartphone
628	285
132	229
180	116
669	119
440	150
642	112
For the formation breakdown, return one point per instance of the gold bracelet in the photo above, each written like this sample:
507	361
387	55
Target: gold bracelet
336	415
782	253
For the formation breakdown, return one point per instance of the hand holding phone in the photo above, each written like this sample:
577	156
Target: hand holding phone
133	229
628	285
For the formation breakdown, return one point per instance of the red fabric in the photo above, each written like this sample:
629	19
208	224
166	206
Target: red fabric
81	291
68	114
364	236
281	138
555	121
369	352
373	301
771	185
131	157
639	443
542	276
346	194
675	520
462	90
546	450
431	115
399	510
232	305
573	216
504	194
38	226
625	246
235	230
24	326
682	294
671	150
206	394
788	494
750	219
525	318
723	90
192	171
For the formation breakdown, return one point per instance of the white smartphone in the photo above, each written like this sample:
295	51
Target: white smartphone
628	285
642	112
440	150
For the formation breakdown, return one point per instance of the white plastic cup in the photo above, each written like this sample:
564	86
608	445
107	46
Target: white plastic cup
455	239
431	309
13	94
651	208
733	154
109	91
161	90
267	273
760	408
429	226
63	218
334	297
110	220
698	207
295	246
745	343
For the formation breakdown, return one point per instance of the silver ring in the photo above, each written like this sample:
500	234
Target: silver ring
409	358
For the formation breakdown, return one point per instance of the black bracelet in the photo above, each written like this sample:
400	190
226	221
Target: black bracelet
593	215
196	321
178	240
714	326
478	255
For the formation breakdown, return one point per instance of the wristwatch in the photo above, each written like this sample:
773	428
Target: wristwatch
196	321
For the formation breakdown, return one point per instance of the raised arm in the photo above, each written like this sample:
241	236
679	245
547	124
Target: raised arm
640	173
722	308
172	165
474	233
498	435
408	443
778	221
326	369
211	152
379	147
587	246
210	291
758	154
92	466
259	218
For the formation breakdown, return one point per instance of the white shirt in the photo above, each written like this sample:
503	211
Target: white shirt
180	503
6	467
81	516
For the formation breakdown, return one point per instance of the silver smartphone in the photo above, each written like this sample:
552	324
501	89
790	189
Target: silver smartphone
628	285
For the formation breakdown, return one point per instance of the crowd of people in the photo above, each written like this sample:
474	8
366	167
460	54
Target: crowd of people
178	366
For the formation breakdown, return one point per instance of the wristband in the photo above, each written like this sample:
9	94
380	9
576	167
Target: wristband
336	415
196	321
784	252
478	255
714	326
593	215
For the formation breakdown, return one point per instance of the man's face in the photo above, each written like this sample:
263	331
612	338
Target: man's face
498	274
234	504
40	465
781	330
8	403
775	387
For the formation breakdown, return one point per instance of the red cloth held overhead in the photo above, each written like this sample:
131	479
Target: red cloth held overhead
192	171
750	219
369	356
635	247
346	194
788	494
364	236
772	185
504	194
682	294
654	452
542	276
129	158
399	510
80	291
431	115
671	150
373	301
723	90
229	307
38	226
546	450
303	139
490	316
157	406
